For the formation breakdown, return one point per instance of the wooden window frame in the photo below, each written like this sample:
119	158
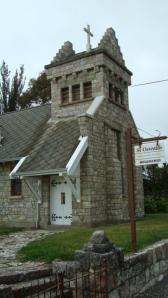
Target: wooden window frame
15	184
87	90
65	95
76	92
110	91
118	143
116	94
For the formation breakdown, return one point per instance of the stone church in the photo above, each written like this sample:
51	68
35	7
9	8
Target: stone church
66	163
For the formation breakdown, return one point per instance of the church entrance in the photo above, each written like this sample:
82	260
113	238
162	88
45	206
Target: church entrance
61	201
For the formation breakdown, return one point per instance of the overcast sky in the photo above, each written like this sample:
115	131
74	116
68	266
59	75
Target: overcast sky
32	31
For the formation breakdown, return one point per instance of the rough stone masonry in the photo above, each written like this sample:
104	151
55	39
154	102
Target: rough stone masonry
78	80
128	276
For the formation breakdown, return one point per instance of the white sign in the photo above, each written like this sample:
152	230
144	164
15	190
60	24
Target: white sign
149	153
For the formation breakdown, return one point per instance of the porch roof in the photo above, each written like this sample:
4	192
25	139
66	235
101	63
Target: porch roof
53	149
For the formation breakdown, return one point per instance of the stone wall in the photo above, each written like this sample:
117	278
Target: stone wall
127	276
140	271
22	210
93	174
104	186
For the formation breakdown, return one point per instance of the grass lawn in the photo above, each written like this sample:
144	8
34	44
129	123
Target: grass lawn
8	230
62	246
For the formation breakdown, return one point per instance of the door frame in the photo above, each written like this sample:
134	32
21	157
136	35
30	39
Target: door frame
57	179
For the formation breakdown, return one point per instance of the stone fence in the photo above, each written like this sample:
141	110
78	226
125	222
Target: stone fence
127	276
99	270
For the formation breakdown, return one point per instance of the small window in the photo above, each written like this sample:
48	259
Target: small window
111	91
76	92
119	96
62	198
87	89
116	94
65	95
122	97
16	187
118	144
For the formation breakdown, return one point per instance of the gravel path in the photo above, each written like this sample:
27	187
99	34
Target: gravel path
10	244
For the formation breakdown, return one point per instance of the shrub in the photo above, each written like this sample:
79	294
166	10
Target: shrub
162	205
153	205
150	205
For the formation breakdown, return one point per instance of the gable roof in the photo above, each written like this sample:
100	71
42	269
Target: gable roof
53	149
20	130
47	145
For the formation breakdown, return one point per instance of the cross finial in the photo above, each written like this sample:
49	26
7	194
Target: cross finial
89	34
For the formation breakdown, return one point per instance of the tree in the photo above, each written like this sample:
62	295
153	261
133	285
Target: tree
156	181
4	85
38	90
11	89
17	86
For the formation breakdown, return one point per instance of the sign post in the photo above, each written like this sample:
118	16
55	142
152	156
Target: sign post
145	154
131	190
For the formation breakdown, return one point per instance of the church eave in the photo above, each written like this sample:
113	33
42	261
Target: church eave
87	54
42	172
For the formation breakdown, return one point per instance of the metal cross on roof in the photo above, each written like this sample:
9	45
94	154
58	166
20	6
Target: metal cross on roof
89	34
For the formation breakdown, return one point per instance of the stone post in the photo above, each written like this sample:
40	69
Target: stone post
100	250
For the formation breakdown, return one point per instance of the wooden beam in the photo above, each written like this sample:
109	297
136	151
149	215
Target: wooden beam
139	141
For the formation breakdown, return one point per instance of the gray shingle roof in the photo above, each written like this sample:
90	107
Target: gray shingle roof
20	130
48	145
54	148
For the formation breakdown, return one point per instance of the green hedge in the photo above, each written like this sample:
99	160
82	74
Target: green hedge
154	205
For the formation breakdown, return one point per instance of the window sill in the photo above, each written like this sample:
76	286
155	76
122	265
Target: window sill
117	104
75	102
16	197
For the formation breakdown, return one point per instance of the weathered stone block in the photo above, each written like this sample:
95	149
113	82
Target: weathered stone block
114	294
6	292
83	258
67	268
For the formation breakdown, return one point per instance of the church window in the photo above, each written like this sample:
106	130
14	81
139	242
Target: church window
116	94
76	92
122	97
87	89
118	144
111	91
16	184
65	95
16	187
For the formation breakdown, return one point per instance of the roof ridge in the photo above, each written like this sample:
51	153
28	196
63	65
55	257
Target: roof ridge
26	109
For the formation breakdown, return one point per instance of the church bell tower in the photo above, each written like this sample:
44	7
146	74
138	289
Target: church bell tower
76	79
